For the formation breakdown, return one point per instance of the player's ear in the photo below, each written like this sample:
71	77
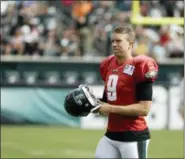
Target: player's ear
131	44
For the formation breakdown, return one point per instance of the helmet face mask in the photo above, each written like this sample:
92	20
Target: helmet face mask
79	102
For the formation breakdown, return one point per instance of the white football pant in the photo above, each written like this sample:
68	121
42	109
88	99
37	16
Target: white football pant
108	148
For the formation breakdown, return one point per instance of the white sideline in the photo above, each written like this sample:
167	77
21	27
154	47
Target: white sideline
41	152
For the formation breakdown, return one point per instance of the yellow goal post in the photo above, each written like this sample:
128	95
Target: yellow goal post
137	19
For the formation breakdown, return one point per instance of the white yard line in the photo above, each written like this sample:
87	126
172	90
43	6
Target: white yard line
45	152
13	145
66	151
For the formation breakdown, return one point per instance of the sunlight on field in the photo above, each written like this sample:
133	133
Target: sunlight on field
58	142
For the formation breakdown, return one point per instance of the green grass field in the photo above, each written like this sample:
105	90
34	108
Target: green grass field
58	142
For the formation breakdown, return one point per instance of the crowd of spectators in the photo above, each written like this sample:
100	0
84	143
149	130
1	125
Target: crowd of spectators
82	28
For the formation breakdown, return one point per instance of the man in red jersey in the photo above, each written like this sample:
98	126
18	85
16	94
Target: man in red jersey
127	98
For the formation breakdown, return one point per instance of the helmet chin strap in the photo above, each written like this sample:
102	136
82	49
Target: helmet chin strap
95	108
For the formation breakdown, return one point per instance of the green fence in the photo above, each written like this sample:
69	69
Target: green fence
72	71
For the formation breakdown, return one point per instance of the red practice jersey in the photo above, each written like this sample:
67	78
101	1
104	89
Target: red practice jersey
120	87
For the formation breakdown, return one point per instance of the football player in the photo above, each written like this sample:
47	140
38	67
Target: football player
127	98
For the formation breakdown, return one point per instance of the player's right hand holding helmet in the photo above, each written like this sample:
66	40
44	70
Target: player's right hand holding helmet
81	101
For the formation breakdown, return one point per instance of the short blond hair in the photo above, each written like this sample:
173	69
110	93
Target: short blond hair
125	30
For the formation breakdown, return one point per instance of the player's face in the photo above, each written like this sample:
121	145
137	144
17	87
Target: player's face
120	45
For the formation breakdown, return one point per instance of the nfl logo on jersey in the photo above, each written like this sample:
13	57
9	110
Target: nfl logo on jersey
129	69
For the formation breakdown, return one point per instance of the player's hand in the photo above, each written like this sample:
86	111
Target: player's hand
105	108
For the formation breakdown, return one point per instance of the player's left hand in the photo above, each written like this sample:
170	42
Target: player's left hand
105	108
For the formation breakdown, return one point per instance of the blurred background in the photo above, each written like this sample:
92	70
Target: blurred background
48	48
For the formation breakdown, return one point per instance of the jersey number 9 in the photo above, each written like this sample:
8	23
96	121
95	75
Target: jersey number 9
111	87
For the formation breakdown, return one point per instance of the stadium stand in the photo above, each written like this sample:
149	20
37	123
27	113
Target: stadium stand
53	28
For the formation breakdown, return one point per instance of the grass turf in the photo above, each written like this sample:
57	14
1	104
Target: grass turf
59	142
